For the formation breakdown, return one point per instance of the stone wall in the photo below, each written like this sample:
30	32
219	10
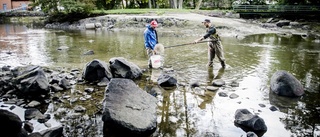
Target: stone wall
119	21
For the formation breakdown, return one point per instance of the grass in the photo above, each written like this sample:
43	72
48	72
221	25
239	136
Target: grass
141	11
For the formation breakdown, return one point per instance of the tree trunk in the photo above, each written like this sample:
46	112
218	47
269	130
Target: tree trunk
199	4
124	2
180	4
149	3
175	4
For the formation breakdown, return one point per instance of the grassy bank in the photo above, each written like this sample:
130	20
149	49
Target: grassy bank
156	11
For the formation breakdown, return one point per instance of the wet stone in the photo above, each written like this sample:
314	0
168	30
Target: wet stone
64	83
32	113
89	90
212	88
28	126
223	94
47	124
36	134
3	106
195	84
262	105
82	99
70	77
103	82
33	104
251	134
234	84
72	100
273	108
42	119
56	88
218	82
233	96
79	109
12	107
90	52
72	82
66	97
11	101
6	68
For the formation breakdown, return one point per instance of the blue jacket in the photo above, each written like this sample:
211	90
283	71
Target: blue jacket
150	37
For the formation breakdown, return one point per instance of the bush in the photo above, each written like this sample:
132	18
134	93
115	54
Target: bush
71	7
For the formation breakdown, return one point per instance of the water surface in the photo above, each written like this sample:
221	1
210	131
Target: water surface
186	111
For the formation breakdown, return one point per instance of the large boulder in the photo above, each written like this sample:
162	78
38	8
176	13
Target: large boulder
31	81
128	110
285	84
96	70
245	118
121	68
11	124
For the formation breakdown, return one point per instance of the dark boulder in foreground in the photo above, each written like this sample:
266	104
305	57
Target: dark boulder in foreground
244	118
31	81
96	70
121	68
128	110
285	84
11	124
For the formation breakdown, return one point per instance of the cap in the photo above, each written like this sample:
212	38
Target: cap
154	23
206	20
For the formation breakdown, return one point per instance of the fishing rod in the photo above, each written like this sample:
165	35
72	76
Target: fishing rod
185	44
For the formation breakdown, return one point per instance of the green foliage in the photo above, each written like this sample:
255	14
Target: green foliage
71	6
65	6
140	11
298	2
250	2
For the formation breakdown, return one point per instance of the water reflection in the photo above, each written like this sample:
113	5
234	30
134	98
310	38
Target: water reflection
21	46
186	111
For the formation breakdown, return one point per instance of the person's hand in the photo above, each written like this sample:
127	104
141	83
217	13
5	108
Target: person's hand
195	41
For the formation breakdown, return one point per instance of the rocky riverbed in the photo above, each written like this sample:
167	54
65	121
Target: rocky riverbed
76	120
228	26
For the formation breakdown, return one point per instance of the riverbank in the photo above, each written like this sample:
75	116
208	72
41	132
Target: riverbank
227	26
182	111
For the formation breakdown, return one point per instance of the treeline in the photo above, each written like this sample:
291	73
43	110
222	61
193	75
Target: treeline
80	8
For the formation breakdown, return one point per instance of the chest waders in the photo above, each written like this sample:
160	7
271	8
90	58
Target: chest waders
215	48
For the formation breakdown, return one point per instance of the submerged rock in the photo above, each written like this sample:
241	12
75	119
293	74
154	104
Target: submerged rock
166	80
245	118
218	82
285	84
128	110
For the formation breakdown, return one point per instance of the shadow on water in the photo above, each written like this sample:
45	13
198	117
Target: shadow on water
183	111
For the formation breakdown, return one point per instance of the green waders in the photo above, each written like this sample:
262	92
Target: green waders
215	48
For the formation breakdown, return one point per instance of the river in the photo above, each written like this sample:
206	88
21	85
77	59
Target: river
186	111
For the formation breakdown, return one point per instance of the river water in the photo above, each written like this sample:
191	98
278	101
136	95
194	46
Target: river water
186	111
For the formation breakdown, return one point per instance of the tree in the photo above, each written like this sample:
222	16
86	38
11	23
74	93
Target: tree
180	4
198	5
